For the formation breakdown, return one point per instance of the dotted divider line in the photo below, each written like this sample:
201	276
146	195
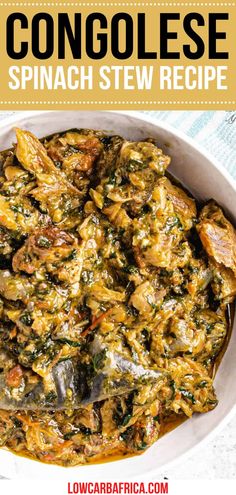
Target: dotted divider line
118	4
85	102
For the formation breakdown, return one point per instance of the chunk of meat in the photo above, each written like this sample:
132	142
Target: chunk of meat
130	182
7	216
183	205
139	155
87	143
104	294
142	434
14	376
224	282
88	418
158	235
77	162
184	337
145	298
218	236
14	287
11	173
47	246
56	195
159	252
75	152
32	154
18	215
109	155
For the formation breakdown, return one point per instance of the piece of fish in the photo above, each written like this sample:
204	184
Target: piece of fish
75	384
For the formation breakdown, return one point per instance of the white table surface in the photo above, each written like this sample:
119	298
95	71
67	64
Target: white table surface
216	459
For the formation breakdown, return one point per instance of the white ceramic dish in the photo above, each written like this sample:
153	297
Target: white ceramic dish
206	179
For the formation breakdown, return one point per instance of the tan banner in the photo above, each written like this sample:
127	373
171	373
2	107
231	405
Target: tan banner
111	55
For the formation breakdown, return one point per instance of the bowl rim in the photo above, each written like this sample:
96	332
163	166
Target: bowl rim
141	117
138	116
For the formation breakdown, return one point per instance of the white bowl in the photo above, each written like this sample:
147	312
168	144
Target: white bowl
206	179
